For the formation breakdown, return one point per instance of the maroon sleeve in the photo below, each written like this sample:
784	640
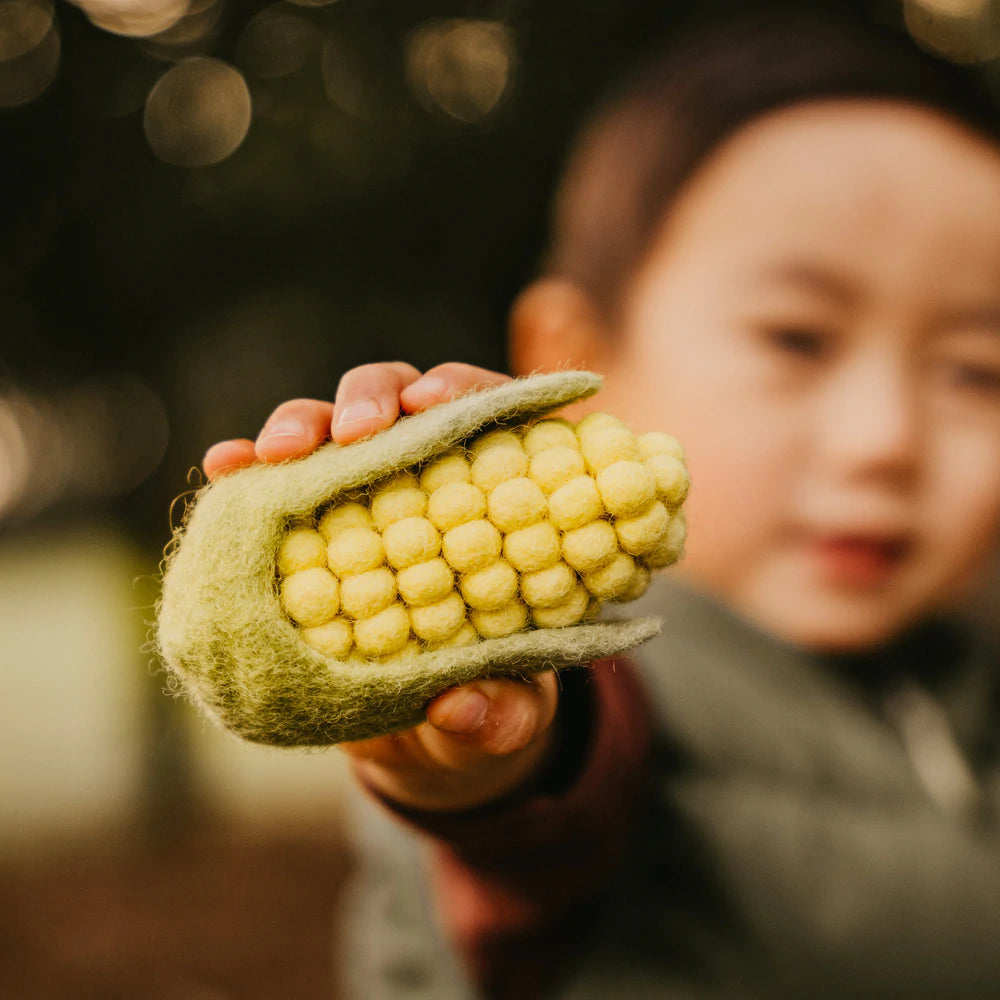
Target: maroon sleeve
514	882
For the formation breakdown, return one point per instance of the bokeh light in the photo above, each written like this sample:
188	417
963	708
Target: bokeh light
277	42
198	113
135	18
29	50
460	66
965	31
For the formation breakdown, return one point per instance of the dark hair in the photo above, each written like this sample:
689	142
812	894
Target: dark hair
637	151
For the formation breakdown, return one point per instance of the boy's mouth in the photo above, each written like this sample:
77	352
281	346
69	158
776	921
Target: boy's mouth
860	560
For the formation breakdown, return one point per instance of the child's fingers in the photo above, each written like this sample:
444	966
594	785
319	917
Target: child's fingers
504	727
368	399
443	382
295	428
495	717
228	456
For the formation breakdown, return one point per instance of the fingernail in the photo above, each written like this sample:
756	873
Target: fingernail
432	385
362	409
289	427
464	714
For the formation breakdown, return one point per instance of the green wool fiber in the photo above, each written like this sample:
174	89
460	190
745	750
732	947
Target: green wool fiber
222	631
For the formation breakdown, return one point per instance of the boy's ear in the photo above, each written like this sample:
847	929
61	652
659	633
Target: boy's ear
554	325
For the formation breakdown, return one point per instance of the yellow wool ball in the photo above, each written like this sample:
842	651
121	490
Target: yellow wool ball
493	466
334	638
355	550
516	503
548	587
555	466
575	503
300	549
594	421
455	503
569	612
659	443
532	548
365	594
451	467
639	585
671	478
345	515
425	582
670	549
626	488
311	596
395	502
589	547
556	432
471	546
503	621
465	636
499	438
383	633
611	580
603	446
491	587
409	541
435	622
643	532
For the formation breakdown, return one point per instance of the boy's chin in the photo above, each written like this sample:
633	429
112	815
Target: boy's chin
835	627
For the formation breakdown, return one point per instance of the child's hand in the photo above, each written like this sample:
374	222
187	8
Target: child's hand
482	740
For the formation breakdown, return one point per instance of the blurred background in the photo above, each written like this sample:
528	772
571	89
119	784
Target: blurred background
207	207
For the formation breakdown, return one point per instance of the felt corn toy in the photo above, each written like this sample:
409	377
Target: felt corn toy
329	598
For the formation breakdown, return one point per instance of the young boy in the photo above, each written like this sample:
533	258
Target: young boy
781	243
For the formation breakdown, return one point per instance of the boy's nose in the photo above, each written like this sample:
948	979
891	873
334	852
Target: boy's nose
871	420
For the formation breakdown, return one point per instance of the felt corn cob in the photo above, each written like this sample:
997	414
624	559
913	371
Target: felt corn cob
330	598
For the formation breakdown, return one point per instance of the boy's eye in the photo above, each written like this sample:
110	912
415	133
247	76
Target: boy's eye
981	379
799	341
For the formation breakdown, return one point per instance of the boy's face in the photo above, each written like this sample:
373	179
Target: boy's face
819	323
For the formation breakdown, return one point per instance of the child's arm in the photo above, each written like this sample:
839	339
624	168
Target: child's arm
481	741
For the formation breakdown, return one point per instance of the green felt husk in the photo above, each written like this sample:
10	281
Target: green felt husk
222	631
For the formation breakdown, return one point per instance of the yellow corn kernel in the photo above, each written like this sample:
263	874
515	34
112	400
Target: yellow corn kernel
554	432
575	503
301	548
670	477
603	446
311	596
672	546
532	548
365	594
451	467
471	546
609	582
384	633
355	550
659	443
503	621
345	515
425	582
410	540
640	534
436	622
455	503
548	587
400	497
516	503
569	612
490	587
590	546
494	465
553	467
626	488
333	638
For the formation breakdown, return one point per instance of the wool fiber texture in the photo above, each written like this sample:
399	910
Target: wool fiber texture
222	629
